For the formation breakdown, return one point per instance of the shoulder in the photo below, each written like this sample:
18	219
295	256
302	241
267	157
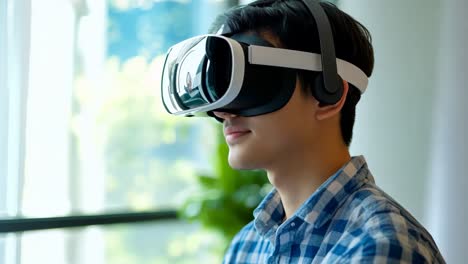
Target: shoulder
245	235
243	244
377	227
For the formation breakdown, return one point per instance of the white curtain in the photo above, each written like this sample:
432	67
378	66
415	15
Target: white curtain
14	65
14	69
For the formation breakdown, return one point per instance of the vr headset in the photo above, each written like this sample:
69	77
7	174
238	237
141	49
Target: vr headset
245	75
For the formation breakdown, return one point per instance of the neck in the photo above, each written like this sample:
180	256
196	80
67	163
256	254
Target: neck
298	176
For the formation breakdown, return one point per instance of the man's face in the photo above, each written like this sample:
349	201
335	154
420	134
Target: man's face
259	142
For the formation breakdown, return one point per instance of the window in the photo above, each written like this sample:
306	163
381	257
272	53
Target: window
85	117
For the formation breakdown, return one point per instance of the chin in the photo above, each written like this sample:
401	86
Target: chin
242	161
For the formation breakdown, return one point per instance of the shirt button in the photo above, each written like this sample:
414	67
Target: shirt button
293	224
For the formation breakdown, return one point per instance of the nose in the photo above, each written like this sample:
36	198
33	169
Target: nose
224	115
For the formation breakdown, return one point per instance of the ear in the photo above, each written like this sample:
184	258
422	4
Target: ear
328	111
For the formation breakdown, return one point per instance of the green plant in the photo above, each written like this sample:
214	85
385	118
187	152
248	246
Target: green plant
226	200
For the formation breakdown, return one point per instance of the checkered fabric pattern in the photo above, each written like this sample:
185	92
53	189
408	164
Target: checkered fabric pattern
348	219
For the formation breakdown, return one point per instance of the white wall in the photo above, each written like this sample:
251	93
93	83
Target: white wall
394	116
413	121
447	205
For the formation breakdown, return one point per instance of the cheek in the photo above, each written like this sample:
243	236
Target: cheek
278	139
263	147
275	137
287	136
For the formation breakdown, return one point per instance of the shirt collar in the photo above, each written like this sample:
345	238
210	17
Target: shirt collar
321	205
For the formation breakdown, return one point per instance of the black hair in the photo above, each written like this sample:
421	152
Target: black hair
292	23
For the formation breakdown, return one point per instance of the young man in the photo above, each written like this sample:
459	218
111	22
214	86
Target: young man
288	106
325	206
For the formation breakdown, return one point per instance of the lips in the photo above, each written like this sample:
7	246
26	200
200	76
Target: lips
233	133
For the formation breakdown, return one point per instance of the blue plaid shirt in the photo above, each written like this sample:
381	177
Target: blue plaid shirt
348	219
